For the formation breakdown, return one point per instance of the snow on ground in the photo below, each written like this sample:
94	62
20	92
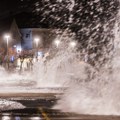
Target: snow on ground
7	105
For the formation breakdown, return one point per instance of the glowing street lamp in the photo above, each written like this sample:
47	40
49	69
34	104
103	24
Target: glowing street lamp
7	37
57	42
72	44
36	41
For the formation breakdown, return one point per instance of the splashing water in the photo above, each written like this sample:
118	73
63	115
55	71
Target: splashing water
91	90
56	71
99	95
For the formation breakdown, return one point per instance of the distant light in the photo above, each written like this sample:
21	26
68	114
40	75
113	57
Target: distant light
35	118
6	36
57	42
6	118
19	49
36	39
17	118
73	44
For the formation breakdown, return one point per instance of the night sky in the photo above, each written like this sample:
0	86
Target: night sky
56	13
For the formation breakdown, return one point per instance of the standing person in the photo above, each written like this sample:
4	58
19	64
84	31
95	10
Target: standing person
0	60
6	61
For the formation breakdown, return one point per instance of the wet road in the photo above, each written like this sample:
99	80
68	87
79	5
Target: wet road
40	108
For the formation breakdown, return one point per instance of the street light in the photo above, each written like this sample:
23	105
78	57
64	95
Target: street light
72	44
7	37
57	42
36	41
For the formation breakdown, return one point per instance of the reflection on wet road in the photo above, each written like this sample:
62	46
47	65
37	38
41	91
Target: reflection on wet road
40	108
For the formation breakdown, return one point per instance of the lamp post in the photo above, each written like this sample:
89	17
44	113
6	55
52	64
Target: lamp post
36	42
57	42
7	37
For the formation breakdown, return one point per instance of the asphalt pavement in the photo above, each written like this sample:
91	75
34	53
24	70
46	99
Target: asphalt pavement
39	107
